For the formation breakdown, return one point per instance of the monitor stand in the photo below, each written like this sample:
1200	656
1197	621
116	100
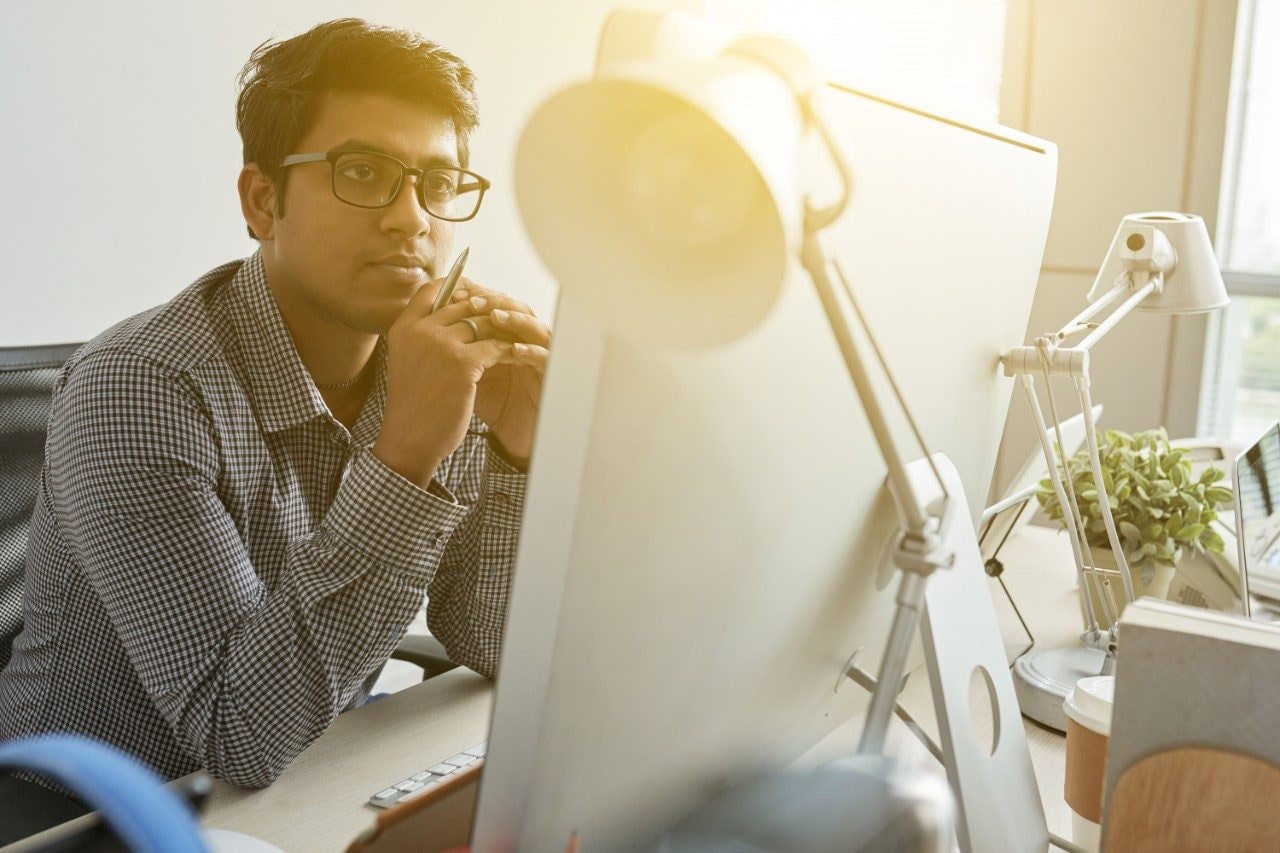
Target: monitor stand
997	800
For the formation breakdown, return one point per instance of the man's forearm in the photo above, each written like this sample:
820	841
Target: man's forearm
245	674
468	596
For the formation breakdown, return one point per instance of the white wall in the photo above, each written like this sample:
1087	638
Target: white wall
119	155
1135	96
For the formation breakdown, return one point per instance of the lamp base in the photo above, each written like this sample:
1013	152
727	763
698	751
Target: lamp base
1043	680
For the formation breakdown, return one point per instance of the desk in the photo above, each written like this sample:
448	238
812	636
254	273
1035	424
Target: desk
318	803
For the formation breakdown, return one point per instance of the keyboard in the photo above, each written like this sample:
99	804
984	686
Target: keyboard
419	783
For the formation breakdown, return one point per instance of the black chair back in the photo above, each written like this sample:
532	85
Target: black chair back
27	375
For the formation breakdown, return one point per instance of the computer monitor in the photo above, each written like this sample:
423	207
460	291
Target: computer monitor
1256	482
706	532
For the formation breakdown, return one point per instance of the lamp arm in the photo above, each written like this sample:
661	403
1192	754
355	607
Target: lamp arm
1071	519
920	550
1104	502
1073	360
815	261
1049	357
1121	312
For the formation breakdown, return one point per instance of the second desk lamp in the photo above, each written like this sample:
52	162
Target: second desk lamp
1159	263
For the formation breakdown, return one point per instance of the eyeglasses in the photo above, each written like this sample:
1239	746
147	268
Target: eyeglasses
370	179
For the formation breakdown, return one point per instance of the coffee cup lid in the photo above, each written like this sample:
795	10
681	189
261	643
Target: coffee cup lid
1089	702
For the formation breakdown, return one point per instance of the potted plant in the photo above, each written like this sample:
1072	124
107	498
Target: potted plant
1163	514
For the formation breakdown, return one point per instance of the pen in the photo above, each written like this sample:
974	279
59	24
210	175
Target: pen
450	281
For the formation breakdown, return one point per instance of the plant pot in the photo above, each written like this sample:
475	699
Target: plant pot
1158	587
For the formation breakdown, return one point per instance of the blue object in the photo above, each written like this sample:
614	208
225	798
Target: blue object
131	798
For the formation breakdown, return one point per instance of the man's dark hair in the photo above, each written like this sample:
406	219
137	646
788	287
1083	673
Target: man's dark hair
282	83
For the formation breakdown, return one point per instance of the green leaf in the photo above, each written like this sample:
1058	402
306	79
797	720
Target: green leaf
1212	541
1211	475
1130	531
1190	533
1218	495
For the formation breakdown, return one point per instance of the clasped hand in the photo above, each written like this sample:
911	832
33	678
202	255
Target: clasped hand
485	352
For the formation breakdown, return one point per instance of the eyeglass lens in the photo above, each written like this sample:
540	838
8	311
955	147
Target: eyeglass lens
371	180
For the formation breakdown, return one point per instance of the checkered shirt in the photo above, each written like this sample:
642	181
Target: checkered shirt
216	566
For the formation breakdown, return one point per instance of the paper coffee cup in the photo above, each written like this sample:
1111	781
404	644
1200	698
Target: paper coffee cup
1088	708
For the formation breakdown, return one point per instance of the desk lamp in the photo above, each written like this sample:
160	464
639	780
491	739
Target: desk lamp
685	157
1161	263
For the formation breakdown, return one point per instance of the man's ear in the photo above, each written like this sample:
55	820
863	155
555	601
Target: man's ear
257	201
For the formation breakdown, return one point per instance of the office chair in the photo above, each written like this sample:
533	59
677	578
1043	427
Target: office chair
27	375
26	383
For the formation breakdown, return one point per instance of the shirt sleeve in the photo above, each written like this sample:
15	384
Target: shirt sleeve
246	674
467	598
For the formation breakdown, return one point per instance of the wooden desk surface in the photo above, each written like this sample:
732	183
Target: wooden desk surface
318	804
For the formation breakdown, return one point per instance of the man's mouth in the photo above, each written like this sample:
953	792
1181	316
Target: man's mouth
405	268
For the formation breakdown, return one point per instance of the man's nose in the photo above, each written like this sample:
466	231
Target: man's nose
405	214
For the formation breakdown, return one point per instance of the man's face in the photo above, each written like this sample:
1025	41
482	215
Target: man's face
357	266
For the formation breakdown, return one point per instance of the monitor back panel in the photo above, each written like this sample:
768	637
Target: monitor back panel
706	532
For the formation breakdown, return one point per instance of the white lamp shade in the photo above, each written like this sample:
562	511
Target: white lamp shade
667	174
1194	283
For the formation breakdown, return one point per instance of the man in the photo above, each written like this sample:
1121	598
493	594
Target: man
248	491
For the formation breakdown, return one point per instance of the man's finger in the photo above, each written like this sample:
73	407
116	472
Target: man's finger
532	355
525	327
497	299
476	306
477	327
489	352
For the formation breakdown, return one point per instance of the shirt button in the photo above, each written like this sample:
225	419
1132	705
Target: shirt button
437	539
501	498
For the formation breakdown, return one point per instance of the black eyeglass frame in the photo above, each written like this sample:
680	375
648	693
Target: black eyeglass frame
331	157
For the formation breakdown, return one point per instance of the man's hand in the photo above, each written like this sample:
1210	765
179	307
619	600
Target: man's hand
435	364
508	392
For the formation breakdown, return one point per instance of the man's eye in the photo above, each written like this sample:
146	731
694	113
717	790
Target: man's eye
442	185
361	171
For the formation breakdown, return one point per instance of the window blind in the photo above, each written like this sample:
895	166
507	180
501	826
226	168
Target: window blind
1240	396
941	55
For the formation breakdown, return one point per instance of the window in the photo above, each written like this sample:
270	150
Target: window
1241	391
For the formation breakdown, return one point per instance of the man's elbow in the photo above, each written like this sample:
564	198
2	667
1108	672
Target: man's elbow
477	657
247	772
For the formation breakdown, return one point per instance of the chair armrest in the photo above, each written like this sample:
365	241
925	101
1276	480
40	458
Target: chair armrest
425	651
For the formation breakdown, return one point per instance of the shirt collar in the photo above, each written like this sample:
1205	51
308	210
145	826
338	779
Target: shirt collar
282	390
